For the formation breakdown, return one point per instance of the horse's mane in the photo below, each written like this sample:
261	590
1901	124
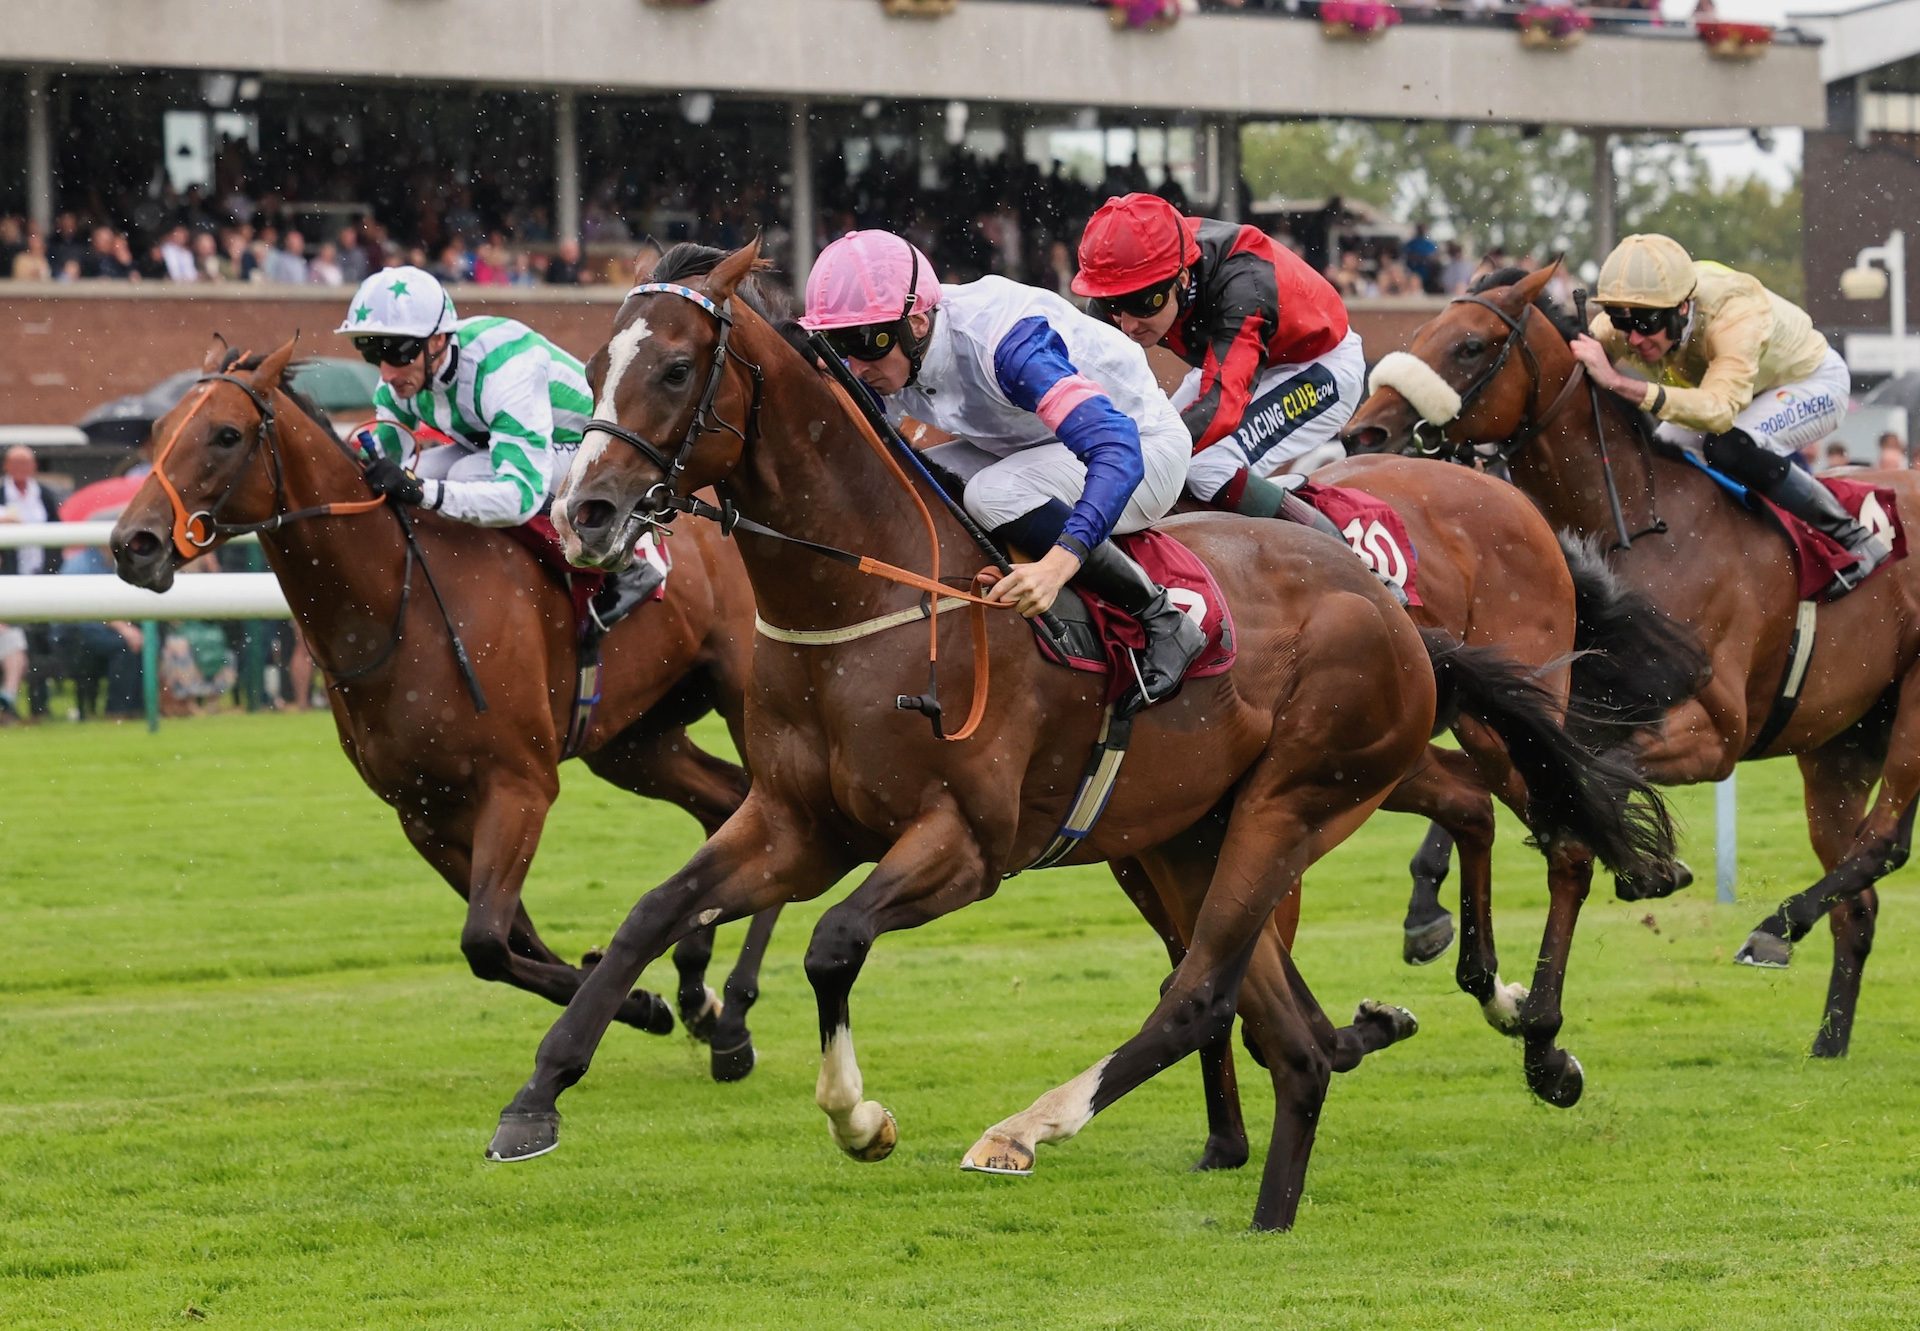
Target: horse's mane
235	361
1568	327
768	298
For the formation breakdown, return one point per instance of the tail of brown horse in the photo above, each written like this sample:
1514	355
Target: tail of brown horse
1572	794
1636	662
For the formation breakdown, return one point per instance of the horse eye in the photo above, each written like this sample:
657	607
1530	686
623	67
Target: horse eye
677	374
226	436
1472	347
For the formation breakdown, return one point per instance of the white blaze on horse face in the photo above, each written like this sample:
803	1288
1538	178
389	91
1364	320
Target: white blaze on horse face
620	353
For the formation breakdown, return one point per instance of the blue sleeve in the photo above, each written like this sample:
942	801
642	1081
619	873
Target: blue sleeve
1032	368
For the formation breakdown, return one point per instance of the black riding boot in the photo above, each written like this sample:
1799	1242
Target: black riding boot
1173	640
1815	505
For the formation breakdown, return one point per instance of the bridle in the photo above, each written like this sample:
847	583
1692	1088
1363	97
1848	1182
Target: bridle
193	533
663	500
1505	450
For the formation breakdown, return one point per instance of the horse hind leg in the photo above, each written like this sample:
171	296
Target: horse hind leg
732	1056
1427	932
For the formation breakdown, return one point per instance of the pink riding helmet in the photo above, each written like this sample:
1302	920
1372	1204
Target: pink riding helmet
862	278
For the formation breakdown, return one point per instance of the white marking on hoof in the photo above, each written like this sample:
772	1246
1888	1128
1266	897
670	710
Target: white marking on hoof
1503	1009
862	1128
994	1154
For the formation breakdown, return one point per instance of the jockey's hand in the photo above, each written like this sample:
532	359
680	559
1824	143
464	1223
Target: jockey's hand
389	478
1591	354
1031	588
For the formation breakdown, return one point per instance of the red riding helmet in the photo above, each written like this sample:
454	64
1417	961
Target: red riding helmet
1131	244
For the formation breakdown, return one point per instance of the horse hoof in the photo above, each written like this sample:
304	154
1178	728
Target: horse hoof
1829	1045
733	1064
1428	942
1764	950
1220	1154
651	1013
701	1018
1394	1023
1557	1079
883	1141
1633	887
1502	1011
996	1154
523	1136
592	957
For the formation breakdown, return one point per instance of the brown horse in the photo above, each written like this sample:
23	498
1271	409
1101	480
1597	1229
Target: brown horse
242	450
1491	573
1232	789
1718	569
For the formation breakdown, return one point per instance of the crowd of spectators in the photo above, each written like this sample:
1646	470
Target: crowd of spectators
1463	11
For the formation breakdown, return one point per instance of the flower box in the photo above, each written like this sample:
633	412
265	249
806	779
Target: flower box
918	8
1546	27
1735	41
1144	15
675	4
1356	20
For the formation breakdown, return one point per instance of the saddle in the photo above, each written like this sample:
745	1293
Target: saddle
1098	638
1818	558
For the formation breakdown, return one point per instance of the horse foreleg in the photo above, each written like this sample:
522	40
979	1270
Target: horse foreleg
1553	1074
1427	932
762	856
936	866
732	1054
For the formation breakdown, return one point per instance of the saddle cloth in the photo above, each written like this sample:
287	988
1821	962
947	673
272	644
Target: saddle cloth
1818	558
538	536
1100	638
1370	525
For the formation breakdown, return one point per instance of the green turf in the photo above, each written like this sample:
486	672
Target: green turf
248	1080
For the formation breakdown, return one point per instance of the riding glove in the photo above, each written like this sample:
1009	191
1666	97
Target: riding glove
389	478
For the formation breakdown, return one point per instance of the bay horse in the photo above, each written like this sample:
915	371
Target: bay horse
1720	571
1491	573
1232	790
243	451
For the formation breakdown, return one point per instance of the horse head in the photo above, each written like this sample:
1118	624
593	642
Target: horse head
672	410
1460	382
205	474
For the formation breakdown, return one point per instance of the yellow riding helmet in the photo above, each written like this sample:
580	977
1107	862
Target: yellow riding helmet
1646	270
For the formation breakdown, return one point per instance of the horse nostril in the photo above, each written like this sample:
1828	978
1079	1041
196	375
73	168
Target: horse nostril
591	515
1366	439
141	545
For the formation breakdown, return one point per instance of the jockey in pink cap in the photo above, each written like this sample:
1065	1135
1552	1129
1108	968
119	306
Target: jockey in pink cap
1063	436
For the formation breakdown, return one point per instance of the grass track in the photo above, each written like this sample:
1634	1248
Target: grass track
247	1074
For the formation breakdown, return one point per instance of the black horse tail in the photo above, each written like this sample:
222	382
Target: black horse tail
1572	794
1634	662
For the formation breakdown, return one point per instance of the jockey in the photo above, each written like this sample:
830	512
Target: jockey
1064	438
1737	372
514	404
1277	369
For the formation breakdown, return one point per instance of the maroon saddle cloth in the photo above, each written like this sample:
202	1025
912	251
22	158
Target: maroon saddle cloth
1818	557
583	584
1370	525
1100	638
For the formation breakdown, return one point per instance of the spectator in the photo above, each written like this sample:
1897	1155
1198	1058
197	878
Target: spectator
491	266
176	256
24	499
102	653
1893	452
1456	272
206	256
197	664
103	258
324	270
1836	457
1394	278
31	264
1423	258
287	265
13	241
351	257
563	269
66	246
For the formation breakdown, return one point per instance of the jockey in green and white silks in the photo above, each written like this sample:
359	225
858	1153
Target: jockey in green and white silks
512	402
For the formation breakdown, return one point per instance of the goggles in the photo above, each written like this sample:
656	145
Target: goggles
867	342
1638	319
386	349
1142	304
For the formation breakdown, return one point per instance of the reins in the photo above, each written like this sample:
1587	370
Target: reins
664	500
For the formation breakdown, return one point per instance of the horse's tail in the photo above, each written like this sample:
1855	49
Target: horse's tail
1634	664
1572	793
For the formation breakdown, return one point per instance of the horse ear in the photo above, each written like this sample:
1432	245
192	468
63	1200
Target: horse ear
646	261
1528	289
732	270
216	357
267	377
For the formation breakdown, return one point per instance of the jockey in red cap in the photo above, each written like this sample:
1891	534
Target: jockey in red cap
1277	368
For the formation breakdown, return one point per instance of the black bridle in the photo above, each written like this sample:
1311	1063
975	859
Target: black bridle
663	500
1505	450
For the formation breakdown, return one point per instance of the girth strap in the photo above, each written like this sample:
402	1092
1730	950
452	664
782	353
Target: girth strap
1799	658
1096	786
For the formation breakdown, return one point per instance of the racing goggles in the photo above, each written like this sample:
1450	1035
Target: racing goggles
387	349
867	342
1638	319
1142	304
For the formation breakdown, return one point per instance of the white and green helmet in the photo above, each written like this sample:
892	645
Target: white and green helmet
399	302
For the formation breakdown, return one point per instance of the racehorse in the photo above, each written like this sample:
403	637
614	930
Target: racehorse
1491	573
243	451
1716	568
1232	790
